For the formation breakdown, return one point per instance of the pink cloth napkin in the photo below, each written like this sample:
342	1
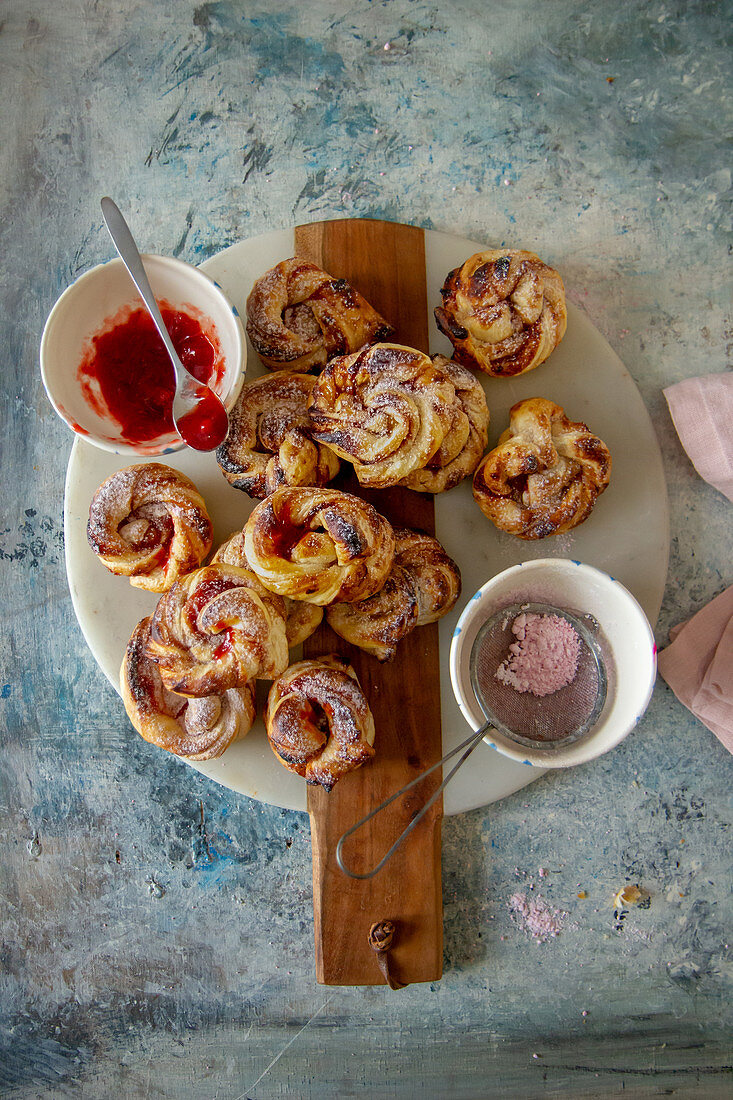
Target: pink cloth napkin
698	665
702	411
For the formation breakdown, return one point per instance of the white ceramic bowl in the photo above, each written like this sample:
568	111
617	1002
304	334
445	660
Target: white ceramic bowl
626	640
99	295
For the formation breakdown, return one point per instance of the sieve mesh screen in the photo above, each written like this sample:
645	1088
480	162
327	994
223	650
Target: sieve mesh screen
555	719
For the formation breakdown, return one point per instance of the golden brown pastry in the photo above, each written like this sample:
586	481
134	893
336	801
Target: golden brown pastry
269	442
503	310
215	629
423	585
301	619
460	452
197	729
318	720
387	409
319	545
436	577
379	623
149	523
298	316
545	474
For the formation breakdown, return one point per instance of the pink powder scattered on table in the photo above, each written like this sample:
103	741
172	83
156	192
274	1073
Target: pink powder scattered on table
540	919
544	657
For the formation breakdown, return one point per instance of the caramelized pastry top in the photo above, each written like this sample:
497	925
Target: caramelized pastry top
299	316
319	545
387	409
318	720
423	585
269	442
462	447
301	619
149	523
436	577
545	474
380	622
198	729
217	628
503	310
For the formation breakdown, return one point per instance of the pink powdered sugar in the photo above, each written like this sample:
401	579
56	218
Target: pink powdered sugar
545	656
540	919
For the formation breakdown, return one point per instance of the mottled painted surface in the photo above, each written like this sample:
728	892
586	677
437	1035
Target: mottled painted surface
157	929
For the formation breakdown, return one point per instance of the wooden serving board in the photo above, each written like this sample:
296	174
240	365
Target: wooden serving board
386	262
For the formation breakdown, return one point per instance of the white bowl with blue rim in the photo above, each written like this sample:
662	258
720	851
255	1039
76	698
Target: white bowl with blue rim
88	307
626	638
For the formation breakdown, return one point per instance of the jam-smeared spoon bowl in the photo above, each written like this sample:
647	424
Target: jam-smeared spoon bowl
199	416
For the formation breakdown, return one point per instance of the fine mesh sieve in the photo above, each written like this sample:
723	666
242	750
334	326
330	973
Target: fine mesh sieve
550	721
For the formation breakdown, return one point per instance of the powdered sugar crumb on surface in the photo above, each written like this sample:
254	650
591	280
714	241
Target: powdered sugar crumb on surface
536	916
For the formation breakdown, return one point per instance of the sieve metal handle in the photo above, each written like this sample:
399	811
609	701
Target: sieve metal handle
469	745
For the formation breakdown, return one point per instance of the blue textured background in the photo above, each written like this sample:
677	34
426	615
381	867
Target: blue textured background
157	929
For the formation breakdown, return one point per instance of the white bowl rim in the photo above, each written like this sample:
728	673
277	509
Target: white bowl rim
196	273
587	748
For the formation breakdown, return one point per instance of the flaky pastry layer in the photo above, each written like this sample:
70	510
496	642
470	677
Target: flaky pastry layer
545	475
503	310
319	723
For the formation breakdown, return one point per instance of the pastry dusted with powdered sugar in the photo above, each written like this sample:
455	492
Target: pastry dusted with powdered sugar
270	442
149	523
319	545
319	723
197	729
545	474
503	310
299	316
423	585
389	409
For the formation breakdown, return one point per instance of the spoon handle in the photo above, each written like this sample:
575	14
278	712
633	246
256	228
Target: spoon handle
124	242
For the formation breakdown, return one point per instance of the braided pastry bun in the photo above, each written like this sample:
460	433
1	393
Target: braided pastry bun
319	545
149	523
269	442
318	720
436	577
503	310
199	729
298	316
301	619
387	409
215	629
423	585
460	452
545	474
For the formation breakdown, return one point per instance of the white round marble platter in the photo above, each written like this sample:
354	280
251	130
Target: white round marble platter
627	534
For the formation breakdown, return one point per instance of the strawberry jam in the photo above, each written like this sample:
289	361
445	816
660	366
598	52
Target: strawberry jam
126	373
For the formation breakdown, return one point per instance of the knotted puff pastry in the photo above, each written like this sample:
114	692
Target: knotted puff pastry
463	446
545	474
298	316
149	523
301	619
198	729
387	409
318	720
423	585
218	628
319	545
269	442
503	310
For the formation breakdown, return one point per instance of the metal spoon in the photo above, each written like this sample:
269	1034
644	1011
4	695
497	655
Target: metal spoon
198	414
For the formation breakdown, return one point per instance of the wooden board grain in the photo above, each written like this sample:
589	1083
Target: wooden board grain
386	262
